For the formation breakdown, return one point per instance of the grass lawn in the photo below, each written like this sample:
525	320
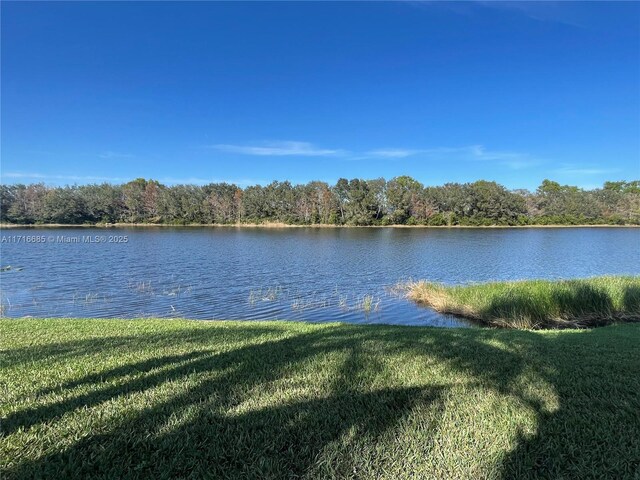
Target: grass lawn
178	399
587	302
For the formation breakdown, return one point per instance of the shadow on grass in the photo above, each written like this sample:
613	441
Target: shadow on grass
595	431
632	300
585	301
212	429
509	309
98	344
581	306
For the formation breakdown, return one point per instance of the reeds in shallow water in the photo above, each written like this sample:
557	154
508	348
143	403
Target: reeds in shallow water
301	300
368	304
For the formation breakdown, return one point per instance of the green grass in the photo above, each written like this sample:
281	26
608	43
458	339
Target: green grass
534	304
187	399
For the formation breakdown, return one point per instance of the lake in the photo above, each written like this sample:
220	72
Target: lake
312	274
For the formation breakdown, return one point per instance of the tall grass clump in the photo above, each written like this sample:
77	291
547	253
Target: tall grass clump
535	304
368	304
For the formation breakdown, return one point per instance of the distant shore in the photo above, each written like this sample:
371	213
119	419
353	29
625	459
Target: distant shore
287	225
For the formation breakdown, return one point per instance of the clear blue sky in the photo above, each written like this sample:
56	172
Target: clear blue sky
254	92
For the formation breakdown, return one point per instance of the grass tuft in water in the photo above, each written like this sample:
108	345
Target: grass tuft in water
368	304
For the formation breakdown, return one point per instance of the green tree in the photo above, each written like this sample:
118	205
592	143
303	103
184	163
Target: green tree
221	202
378	188
361	206
65	205
404	195
103	202
341	192
25	203
495	203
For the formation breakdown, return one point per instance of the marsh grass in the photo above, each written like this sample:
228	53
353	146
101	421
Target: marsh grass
5	304
86	299
306	303
300	300
90	298
269	294
176	291
534	304
142	287
343	302
368	304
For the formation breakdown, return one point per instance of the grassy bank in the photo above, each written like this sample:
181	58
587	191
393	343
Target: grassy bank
170	399
579	303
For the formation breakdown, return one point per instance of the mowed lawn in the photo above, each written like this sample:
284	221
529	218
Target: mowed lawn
191	399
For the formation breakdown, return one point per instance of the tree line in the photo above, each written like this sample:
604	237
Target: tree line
401	200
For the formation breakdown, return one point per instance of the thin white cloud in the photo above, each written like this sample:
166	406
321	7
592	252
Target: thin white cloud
409	152
391	153
551	12
49	177
242	182
512	160
567	13
481	153
579	171
113	155
43	177
520	164
278	149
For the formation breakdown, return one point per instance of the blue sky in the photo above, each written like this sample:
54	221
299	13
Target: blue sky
255	92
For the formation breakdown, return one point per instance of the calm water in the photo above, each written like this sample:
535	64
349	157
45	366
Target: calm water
300	274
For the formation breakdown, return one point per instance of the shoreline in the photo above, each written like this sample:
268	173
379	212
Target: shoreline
286	225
